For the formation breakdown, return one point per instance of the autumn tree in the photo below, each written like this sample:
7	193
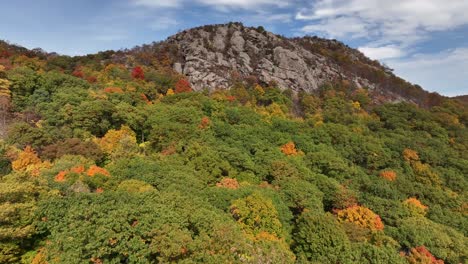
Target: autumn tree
135	186
138	73
182	86
410	155
415	206
228	183
361	216
170	92
25	160
290	149
72	146
423	171
388	175
96	170
5	96
19	194
118	143
204	123
421	255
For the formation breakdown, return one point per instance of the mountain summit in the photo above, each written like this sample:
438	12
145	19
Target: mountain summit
212	56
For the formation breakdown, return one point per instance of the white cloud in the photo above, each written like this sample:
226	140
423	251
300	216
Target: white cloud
397	21
224	5
444	72
158	3
163	23
384	52
339	27
244	4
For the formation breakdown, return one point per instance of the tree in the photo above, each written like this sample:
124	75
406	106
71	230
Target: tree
118	143
360	216
138	73
290	149
388	175
19	194
420	255
256	214
444	242
415	206
5	96
320	239
204	123
182	86
410	155
96	170
367	253
25	160
228	183
73	146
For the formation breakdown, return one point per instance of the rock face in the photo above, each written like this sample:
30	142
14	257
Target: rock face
213	56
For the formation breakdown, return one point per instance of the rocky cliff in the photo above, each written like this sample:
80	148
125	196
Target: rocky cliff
210	55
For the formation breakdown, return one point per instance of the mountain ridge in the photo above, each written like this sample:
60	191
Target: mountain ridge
215	56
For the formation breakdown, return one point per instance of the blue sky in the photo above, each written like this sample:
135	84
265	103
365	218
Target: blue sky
424	41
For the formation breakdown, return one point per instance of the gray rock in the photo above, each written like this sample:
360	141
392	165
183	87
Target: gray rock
79	187
178	67
211	54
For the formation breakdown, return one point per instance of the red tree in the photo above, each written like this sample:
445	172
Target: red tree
182	86
78	73
138	73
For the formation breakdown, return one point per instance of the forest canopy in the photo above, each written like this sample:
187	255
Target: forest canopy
113	162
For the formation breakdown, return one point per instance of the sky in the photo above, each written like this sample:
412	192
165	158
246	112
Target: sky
424	41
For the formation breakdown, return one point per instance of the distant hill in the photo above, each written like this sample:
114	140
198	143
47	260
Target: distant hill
461	98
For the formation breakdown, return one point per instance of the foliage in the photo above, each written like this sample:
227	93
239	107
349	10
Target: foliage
228	183
138	73
182	86
257	214
361	216
26	160
415	206
388	175
420	254
118	143
113	158
320	238
290	149
444	242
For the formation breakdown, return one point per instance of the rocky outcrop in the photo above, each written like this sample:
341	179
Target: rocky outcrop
211	54
214	56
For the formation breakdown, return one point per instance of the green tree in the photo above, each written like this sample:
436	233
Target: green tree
320	238
256	213
19	194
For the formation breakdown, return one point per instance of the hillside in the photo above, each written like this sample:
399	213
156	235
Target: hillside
188	151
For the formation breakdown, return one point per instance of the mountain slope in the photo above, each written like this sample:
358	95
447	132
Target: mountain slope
113	158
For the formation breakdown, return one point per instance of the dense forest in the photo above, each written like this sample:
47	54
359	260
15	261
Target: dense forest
122	162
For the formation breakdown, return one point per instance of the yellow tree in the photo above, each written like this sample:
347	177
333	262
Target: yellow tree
361	216
289	149
5	95
415	206
26	159
118	143
388	175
